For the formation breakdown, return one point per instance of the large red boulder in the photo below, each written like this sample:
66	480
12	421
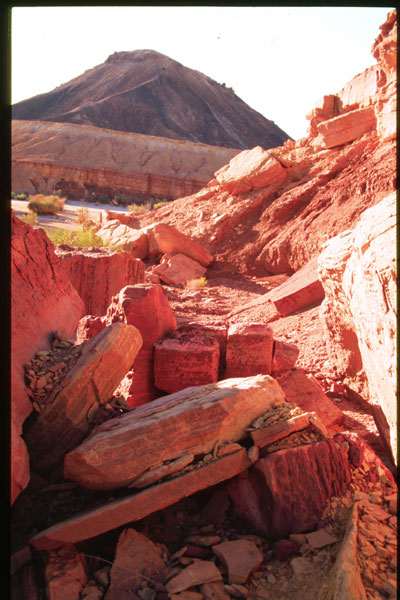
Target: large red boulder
99	273
42	301
286	491
146	307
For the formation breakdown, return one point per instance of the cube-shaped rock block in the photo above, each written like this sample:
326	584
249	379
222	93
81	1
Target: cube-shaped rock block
249	350
185	360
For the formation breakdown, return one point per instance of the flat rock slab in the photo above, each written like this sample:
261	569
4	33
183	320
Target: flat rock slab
63	423
214	591
300	290
240	557
195	419
135	556
348	127
131	240
201	571
307	393
113	514
284	357
320	539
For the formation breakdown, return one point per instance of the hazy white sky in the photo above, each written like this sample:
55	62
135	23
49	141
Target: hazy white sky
278	60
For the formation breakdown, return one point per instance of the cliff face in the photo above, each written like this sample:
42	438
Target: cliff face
146	92
85	161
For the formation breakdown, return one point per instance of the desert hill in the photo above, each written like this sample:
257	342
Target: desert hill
146	92
86	162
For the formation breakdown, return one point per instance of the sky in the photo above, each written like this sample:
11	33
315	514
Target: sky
279	60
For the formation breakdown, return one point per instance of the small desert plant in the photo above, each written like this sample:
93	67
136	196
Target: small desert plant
46	205
158	204
20	196
84	219
30	218
60	236
196	284
139	209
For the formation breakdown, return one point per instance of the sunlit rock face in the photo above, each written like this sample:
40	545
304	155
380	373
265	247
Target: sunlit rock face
358	272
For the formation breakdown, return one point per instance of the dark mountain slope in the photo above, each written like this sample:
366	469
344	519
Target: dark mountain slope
146	92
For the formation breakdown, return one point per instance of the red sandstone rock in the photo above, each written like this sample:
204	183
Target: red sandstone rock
217	332
132	508
42	301
240	558
201	571
251	169
89	326
249	350
99	274
135	555
348	127
65	419
358	271
185	360
65	574
178	269
165	239
214	591
196	419
289	488
307	393
284	357
146	307
284	549
131	240
302	289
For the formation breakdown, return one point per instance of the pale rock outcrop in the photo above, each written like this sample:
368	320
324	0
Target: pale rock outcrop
384	50
358	272
131	240
98	274
42	301
348	127
184	360
166	239
178	269
250	170
65	420
240	558
196	418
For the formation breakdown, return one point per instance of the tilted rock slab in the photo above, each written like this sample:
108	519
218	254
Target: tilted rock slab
178	269
184	360
300	290
115	513
358	271
166	239
191	421
98	274
64	422
249	170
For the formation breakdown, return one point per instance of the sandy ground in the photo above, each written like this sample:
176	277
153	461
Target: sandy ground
67	218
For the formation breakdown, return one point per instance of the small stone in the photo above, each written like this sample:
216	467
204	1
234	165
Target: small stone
298	538
390	587
214	591
240	590
284	549
147	593
263	593
204	541
301	565
197	573
271	578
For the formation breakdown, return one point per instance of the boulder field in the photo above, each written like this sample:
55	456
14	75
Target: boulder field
230	434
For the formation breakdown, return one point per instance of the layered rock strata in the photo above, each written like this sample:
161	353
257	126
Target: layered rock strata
358	272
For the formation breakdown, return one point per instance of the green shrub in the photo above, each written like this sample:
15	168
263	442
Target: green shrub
158	204
80	238
30	218
46	205
104	199
20	196
60	236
